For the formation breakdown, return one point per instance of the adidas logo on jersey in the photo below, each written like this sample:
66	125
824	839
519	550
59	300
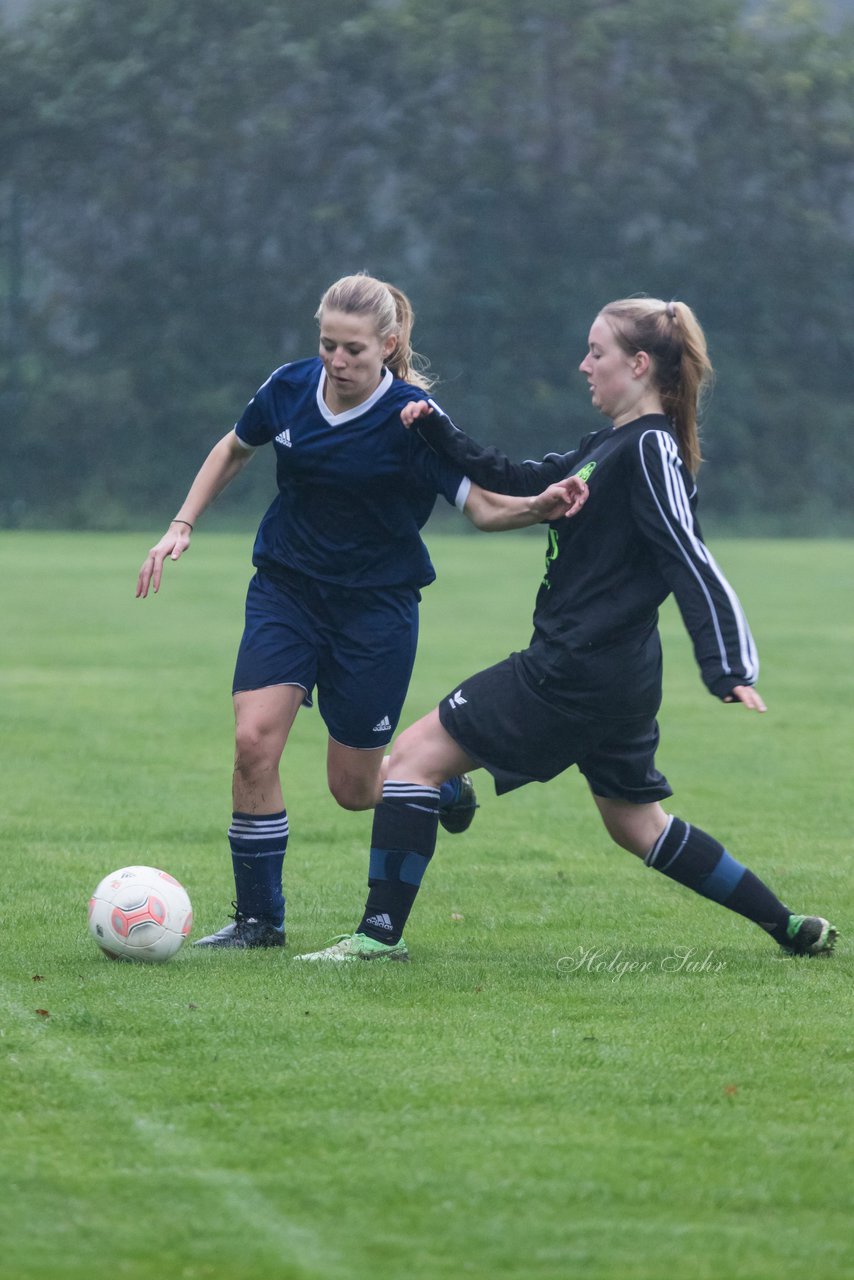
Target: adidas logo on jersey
384	726
284	437
457	699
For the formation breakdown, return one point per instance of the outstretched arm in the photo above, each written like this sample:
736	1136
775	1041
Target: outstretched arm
496	512
486	466
226	458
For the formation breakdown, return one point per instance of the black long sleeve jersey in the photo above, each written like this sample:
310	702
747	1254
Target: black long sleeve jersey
595	646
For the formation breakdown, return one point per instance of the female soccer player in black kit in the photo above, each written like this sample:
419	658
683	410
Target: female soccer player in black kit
587	688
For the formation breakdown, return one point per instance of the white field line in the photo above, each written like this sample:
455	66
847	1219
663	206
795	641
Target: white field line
255	1217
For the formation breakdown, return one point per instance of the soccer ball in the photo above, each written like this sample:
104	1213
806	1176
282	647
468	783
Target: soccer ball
140	913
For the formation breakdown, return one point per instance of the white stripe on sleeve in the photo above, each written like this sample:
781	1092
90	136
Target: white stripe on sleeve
680	514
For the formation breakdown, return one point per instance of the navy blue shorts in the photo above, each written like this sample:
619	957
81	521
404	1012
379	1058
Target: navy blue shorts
518	736
356	646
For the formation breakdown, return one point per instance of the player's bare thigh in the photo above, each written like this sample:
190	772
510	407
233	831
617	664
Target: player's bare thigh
426	754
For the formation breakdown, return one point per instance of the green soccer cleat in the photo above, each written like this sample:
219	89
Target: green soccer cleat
349	947
809	936
458	816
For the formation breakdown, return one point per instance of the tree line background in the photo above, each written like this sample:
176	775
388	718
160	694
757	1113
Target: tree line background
180	182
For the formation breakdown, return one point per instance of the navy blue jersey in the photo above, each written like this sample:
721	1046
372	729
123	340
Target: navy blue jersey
609	568
355	488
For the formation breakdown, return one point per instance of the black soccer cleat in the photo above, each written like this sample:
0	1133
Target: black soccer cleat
244	933
459	814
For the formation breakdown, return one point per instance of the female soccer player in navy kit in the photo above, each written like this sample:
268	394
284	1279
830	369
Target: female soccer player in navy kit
587	688
340	563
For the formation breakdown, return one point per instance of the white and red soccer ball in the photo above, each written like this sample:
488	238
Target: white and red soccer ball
140	913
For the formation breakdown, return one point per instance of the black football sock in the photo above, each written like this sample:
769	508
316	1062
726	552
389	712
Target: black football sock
402	844
695	859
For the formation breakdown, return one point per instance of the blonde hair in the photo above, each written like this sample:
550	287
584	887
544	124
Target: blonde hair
682	372
392	311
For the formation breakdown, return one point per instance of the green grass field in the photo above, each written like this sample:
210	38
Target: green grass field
585	1072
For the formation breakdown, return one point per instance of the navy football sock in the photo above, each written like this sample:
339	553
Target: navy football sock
695	859
402	844
258	844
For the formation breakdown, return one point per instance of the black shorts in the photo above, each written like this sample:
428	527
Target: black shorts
514	732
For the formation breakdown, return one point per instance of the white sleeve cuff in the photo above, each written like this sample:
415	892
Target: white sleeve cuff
463	494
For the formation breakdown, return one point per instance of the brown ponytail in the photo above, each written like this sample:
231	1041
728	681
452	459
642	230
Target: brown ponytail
671	335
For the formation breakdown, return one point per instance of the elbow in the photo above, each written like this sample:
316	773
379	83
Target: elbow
480	523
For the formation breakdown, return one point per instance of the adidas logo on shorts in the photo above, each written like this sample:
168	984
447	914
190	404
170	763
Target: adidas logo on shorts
384	725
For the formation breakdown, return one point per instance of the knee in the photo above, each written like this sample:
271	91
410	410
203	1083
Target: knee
635	829
254	748
354	794
628	839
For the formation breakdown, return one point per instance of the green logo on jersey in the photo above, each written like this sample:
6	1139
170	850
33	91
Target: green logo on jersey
553	548
551	554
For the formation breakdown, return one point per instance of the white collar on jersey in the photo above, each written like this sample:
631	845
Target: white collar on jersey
385	382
